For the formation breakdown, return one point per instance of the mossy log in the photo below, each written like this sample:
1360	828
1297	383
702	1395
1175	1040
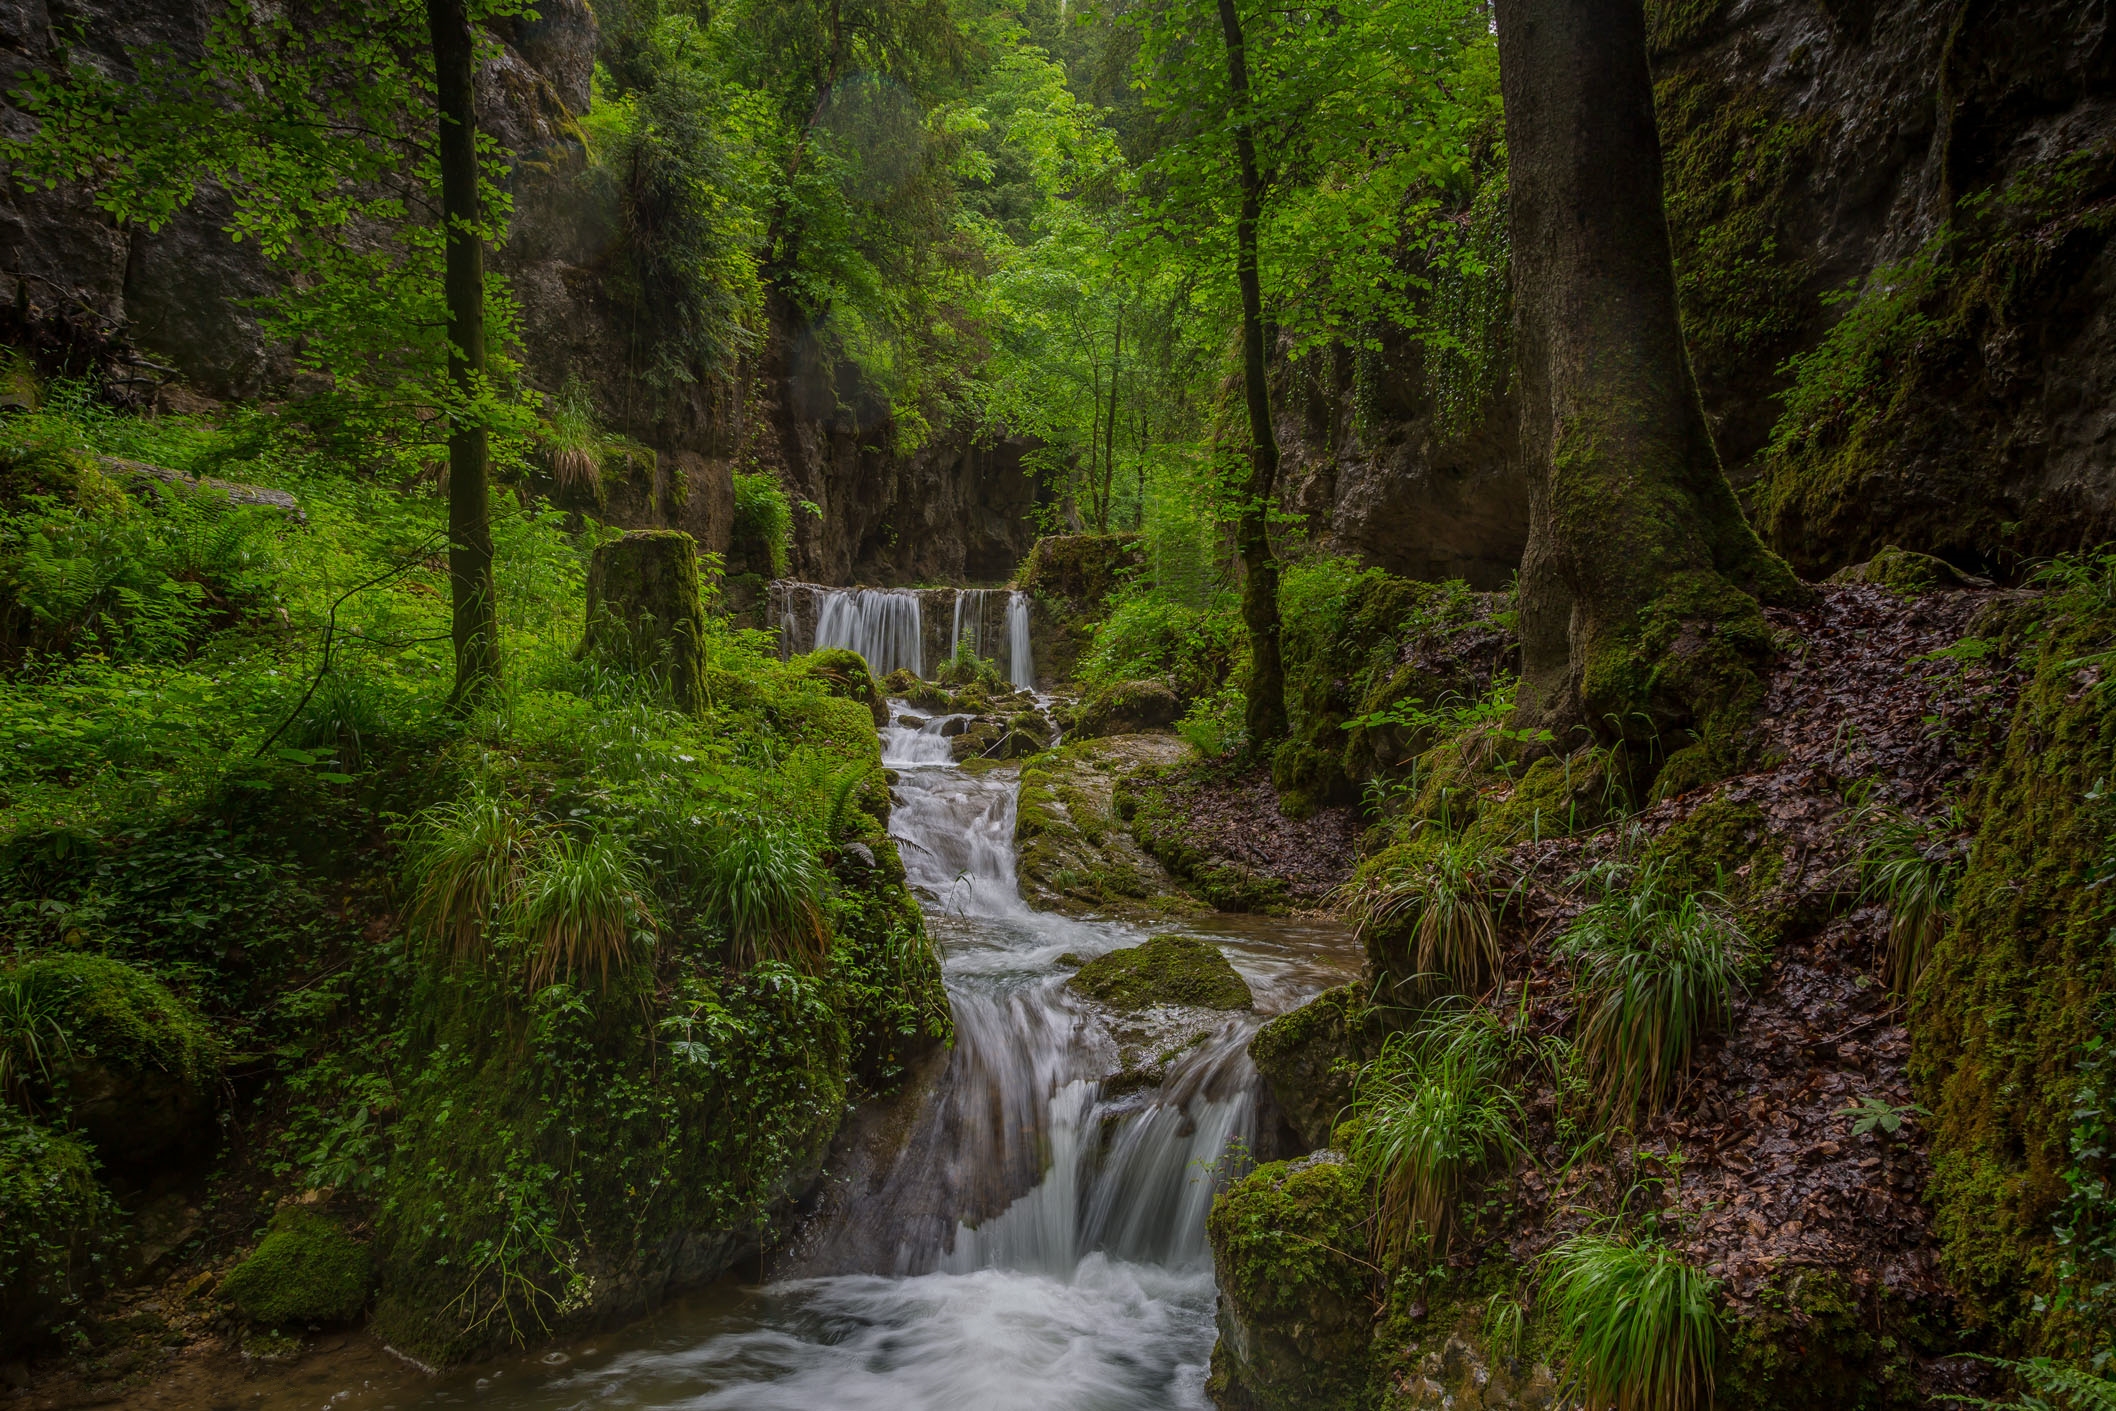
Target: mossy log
645	613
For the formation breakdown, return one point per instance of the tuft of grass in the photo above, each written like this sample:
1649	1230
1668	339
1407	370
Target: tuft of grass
1428	1114
32	1040
572	441
1442	898
469	859
1639	1323
1900	868
582	906
763	888
1653	976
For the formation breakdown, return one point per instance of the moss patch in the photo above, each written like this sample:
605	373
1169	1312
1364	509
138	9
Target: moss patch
1165	970
844	672
306	1269
645	613
54	1220
1311	1055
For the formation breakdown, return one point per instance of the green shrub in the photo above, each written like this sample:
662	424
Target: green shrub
763	889
305	1270
53	1220
1653	977
1214	725
763	520
1639	1323
1192	649
1428	1114
468	858
89	1008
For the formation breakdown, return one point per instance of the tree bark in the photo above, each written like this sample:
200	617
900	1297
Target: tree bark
1641	579
475	627
1266	717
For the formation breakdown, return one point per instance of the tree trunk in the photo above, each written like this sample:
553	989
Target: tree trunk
475	628
1641	579
1109	426
1267	678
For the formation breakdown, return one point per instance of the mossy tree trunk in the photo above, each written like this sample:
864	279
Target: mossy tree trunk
475	628
1267	677
1641	581
645	613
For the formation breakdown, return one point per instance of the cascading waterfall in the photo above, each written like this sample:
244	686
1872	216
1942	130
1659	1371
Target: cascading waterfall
1009	644
1021	660
881	624
1033	1243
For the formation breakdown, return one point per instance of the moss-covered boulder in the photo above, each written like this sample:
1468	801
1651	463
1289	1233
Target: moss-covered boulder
844	673
1072	853
1311	1055
133	1066
1165	970
1290	1246
54	1222
1908	573
645	613
1127	708
306	1269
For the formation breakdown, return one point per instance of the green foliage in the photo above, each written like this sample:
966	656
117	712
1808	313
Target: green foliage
1654	975
1146	637
1436	899
582	905
54	1221
2085	1223
468	860
1213	726
72	1007
1639	1324
763	520
306	1269
1432	1112
1905	867
763	891
1871	1113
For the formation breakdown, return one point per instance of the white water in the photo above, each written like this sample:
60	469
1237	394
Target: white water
1006	641
1035	1247
881	624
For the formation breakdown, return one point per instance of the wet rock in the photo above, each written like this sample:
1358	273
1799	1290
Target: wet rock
306	1269
1173	970
137	472
1310	1056
975	740
912	722
1072	853
1126	708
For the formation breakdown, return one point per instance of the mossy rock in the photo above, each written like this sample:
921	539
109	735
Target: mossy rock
54	1221
844	673
1908	574
1290	1247
136	1066
49	467
1311	1055
900	682
1808	1341
1079	570
1166	970
645	613
306	1269
1127	708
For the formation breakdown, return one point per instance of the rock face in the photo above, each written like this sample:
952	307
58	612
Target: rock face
1072	853
1310	1056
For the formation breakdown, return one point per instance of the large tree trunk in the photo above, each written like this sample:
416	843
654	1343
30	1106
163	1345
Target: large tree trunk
475	628
1267	677
1641	579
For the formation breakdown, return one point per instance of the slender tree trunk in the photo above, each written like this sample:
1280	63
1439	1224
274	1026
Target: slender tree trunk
1109	427
1641	579
476	621
1267	677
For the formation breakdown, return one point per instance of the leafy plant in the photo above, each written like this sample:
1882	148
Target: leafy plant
763	889
1652	979
1902	866
1442	899
2085	1223
582	905
1639	1323
572	442
1213	724
764	518
32	1040
1871	1112
2051	1386
1429	1113
470	858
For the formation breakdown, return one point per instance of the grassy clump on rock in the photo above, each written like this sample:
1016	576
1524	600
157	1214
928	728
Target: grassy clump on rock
1165	970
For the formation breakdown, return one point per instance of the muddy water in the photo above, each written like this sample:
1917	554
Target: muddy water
1036	1245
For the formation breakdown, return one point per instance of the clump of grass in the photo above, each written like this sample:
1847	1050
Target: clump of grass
1900	868
582	906
763	889
572	442
1442	898
469	857
1639	1322
32	1041
1428	1114
1653	975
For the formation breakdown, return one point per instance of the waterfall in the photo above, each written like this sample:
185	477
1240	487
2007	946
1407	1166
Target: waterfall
881	624
1021	662
1008	647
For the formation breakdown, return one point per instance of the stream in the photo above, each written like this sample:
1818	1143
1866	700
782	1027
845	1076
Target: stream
1035	1245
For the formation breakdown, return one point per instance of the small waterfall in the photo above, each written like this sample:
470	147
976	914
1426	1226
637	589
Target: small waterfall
881	624
1021	661
1003	636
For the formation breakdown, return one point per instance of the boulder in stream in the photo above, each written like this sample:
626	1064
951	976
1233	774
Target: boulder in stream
1179	970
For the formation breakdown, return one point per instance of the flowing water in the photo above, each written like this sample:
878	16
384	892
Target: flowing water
887	625
1037	1244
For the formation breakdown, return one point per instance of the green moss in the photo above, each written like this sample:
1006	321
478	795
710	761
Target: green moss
117	1016
1148	804
306	1269
1126	707
1810	1342
1165	970
54	1222
2012	992
1078	572
1670	24
844	673
761	539
1721	846
1906	574
1311	1055
645	613
1555	797
57	467
1291	1249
